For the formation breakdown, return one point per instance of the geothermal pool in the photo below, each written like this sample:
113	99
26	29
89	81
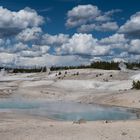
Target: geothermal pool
67	111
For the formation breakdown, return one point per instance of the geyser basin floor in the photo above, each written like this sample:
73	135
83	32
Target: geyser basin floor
67	111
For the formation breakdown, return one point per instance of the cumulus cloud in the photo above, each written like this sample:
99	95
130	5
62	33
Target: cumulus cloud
135	46
12	22
109	26
29	53
52	60
35	51
81	15
88	18
10	47
7	58
124	54
116	41
24	59
132	27
107	16
23	43
55	39
76	49
134	58
116	38
119	60
42	48
18	47
86	28
29	34
83	44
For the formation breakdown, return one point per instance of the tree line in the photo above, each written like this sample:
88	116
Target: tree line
96	65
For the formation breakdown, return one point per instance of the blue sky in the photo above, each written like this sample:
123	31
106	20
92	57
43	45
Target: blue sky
68	32
56	10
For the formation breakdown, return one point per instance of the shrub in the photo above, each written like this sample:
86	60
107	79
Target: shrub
77	73
65	72
136	85
59	73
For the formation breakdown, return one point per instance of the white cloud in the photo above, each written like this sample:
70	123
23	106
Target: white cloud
78	44
12	22
108	26
77	49
107	16
55	39
42	48
29	46
82	14
119	60
86	28
7	58
18	47
35	51
135	46
114	39
10	47
95	59
132	26
124	54
83	44
29	34
89	18
50	60
30	53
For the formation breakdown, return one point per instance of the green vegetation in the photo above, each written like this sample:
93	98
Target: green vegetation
99	65
136	85
59	73
96	65
105	65
25	70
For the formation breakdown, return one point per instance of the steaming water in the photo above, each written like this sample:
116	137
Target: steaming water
2	72
67	111
122	66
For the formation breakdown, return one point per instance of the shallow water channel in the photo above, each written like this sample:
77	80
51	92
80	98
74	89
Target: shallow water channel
67	111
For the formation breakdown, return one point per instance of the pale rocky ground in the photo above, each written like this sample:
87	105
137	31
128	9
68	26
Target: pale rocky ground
90	86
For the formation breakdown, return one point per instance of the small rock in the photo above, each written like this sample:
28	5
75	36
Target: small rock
51	125
106	121
124	133
79	121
